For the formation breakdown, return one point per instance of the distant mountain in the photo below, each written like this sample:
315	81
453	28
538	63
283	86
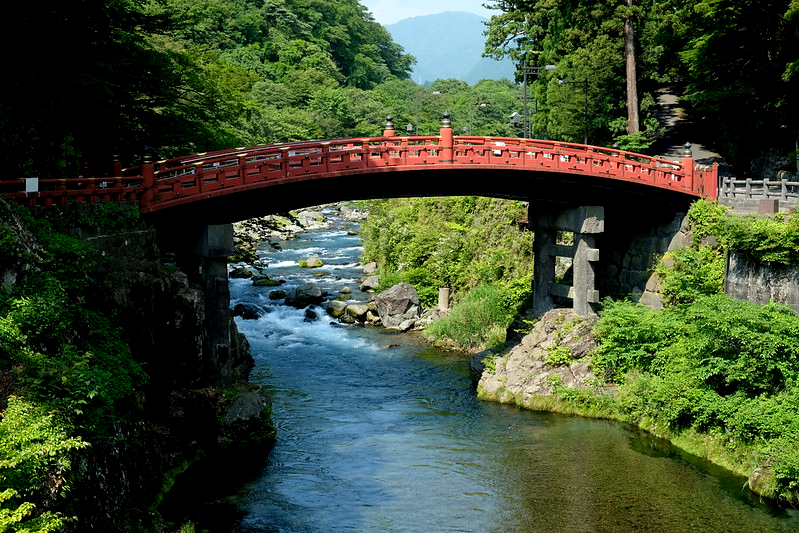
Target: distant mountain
448	45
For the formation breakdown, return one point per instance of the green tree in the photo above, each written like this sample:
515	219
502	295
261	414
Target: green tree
742	60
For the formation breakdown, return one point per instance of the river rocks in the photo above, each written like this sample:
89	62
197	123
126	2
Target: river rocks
358	311
247	421
353	313
305	295
265	281
336	308
350	212
311	262
248	311
369	284
553	353
370	269
241	272
399	306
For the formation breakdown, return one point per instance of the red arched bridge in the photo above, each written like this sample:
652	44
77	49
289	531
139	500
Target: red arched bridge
251	173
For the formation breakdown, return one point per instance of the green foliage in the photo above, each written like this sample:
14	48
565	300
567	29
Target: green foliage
706	218
691	272
109	216
34	458
480	320
729	40
630	336
185	74
699	268
716	366
558	355
70	370
767	239
736	60
458	242
635	142
7	241
71	359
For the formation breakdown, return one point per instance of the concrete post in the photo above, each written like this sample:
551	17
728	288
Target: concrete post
443	299
585	257
213	247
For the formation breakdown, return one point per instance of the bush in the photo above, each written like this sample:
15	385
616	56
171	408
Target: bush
35	449
479	321
716	366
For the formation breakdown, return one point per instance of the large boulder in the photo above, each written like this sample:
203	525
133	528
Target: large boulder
336	308
305	295
556	351
311	262
358	311
398	305
248	311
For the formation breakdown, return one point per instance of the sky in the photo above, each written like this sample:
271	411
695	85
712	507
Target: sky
390	11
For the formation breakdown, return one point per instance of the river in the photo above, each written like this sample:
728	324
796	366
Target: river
379	432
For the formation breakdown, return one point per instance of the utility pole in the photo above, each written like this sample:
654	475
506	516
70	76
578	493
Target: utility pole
533	70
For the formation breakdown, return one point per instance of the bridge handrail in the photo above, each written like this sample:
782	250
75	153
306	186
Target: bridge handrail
177	180
59	191
782	187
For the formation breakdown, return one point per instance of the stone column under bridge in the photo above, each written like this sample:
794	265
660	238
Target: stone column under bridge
214	246
615	252
585	222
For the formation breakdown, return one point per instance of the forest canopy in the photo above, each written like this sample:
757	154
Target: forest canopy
102	77
186	75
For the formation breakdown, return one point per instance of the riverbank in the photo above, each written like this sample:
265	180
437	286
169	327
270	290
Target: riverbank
104	401
668	373
674	377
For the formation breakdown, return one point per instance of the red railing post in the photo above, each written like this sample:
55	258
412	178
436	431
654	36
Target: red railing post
116	165
688	170
710	183
447	146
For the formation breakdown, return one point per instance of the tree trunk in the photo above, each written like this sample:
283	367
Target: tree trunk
633	124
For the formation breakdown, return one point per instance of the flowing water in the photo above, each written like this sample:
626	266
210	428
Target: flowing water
378	432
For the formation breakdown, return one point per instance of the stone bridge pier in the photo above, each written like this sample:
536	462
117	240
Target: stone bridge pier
203	258
610	250
547	221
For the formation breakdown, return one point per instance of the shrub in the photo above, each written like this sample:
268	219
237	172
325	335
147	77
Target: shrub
716	366
35	449
479	321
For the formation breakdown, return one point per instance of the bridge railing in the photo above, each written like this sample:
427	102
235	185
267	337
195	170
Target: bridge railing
784	187
32	192
175	181
583	159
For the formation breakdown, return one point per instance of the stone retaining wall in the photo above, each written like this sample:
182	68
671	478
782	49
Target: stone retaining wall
761	282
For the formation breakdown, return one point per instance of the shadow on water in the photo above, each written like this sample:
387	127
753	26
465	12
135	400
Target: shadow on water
734	485
209	493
